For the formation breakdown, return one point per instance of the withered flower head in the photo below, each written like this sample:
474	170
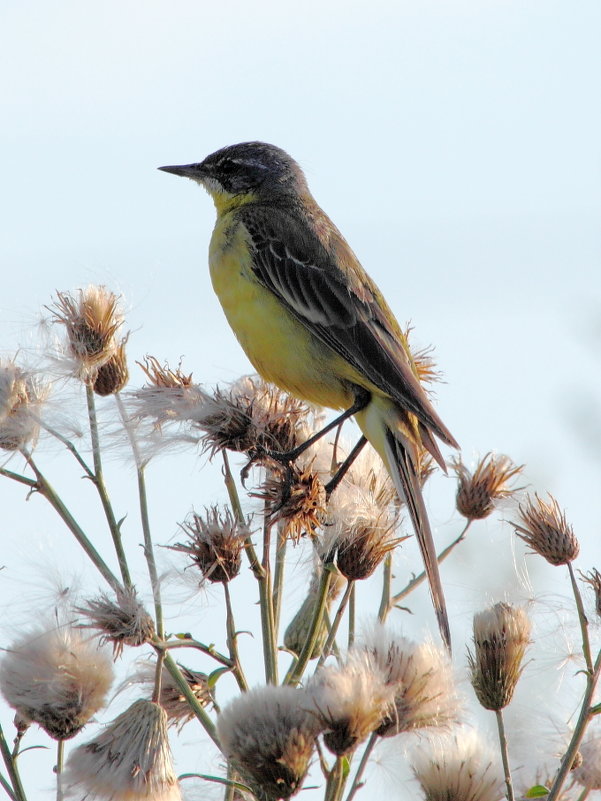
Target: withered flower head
253	416
350	701
92	319
421	676
268	734
21	397
297	499
113	375
424	363
501	636
120	621
594	579
543	527
214	545
56	678
171	699
130	760
478	491
588	773
457	768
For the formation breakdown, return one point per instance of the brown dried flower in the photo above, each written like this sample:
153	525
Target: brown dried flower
122	621
171	699
297	499
594	579
543	526
478	491
113	375
501	636
425	365
214	545
21	396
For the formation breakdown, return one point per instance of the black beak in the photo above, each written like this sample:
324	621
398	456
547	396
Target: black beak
186	170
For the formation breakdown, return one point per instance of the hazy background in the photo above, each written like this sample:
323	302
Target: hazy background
455	144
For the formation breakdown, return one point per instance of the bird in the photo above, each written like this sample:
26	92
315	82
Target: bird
312	321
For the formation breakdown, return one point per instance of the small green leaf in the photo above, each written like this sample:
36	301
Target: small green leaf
346	766
183	636
538	791
214	677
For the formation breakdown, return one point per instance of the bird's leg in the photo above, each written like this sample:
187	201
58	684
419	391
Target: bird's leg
342	470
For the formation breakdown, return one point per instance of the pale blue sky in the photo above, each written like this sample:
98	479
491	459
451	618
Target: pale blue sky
455	143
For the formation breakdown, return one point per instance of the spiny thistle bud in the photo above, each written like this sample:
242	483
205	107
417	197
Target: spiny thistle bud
588	773
298	629
421	677
129	761
501	636
56	678
214	544
457	768
544	528
92	320
113	375
297	499
477	492
21	396
269	736
594	579
122	621
177	708
350	701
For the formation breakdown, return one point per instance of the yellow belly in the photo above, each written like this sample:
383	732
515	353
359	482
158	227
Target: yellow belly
280	348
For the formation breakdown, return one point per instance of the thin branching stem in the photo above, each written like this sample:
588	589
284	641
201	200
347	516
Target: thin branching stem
351	617
385	603
189	642
29	482
417	580
278	578
12	770
98	481
357	781
232	492
336	622
582	619
44	488
70	446
60	758
270	653
7	788
336	780
232	640
504	755
584	794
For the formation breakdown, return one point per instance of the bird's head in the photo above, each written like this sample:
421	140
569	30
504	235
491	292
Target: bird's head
246	172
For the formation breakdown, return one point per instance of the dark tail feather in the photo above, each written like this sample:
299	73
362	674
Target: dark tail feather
407	485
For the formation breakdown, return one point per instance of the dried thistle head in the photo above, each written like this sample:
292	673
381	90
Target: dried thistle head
350	701
424	363
588	773
253	416
92	318
130	760
544	528
113	375
501	636
477	492
21	396
594	579
457	768
171	699
421	676
268	735
120	621
296	497
56	678
214	544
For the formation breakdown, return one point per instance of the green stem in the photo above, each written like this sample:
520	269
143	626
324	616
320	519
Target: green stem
336	781
336	623
357	783
586	646
278	579
181	682
266	605
7	788
584	718
44	488
71	447
98	480
385	603
297	668
232	492
351	618
11	767
504	754
209	650
584	794
60	755
29	482
417	580
232	641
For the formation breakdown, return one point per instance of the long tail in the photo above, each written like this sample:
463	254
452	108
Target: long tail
403	473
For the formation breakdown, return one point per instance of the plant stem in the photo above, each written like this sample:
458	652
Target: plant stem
357	783
232	641
351	617
278	579
297	668
71	447
336	622
98	480
266	603
60	754
199	646
417	580
183	685
44	488
504	754
11	767
336	781
7	788
385	602
586	646
232	492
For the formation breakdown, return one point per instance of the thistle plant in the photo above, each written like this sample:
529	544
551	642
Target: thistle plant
261	639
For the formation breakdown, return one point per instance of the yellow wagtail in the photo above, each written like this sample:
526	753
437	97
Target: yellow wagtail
312	321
